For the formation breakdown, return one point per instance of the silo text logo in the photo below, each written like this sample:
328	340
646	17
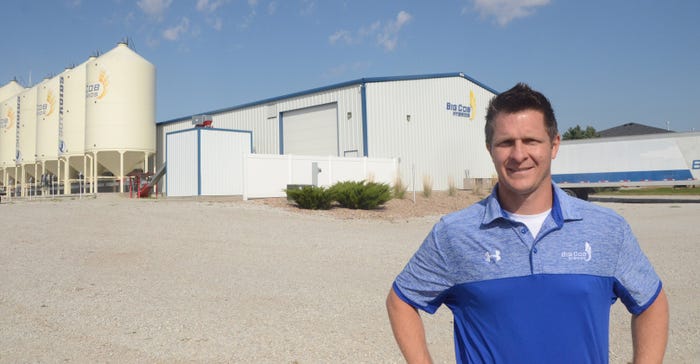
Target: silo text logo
47	108
98	89
7	120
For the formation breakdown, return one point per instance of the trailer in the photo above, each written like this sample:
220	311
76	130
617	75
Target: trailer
667	159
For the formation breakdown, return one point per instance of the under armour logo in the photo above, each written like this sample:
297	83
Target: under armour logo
496	256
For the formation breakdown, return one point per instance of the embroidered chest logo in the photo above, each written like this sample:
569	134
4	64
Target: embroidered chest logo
496	256
585	255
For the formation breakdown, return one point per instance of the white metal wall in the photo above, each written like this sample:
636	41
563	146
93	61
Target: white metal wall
409	120
182	153
222	154
206	162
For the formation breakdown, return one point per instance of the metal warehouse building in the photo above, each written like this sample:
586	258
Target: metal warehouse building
433	125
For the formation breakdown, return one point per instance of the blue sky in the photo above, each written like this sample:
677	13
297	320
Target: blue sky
601	63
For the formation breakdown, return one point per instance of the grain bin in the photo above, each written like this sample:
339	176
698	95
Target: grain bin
26	139
8	139
10	89
120	112
71	124
47	114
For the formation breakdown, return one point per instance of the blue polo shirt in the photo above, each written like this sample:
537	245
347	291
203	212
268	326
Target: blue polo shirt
519	299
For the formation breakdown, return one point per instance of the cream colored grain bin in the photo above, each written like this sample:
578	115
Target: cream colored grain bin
7	91
120	112
26	140
10	89
47	115
8	140
71	126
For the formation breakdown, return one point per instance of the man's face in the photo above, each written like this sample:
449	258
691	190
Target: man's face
522	153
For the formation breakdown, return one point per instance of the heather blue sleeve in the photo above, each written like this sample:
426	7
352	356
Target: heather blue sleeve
636	282
425	277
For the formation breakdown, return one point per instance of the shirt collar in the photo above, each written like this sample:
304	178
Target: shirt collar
562	207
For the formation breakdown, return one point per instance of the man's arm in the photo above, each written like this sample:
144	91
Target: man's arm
408	329
650	332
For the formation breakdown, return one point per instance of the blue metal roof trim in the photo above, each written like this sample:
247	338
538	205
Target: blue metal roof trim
360	81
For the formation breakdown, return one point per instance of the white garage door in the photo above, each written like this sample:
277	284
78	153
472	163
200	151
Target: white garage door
311	131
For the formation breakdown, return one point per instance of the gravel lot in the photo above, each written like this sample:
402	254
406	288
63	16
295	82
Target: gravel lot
112	279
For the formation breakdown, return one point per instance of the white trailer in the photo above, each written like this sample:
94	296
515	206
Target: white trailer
668	159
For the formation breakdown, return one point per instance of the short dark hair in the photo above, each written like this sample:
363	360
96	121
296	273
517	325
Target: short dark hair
519	98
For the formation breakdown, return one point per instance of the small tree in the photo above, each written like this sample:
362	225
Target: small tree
577	132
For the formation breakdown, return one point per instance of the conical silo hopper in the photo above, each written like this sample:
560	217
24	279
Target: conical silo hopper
120	112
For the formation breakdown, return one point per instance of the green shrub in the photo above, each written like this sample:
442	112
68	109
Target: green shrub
311	197
360	195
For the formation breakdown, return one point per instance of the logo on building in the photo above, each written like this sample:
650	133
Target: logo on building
7	120
465	110
51	102
98	89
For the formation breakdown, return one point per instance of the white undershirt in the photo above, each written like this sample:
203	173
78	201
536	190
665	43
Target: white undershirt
533	222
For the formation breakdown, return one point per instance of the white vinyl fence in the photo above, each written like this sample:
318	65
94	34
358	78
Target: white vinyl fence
267	175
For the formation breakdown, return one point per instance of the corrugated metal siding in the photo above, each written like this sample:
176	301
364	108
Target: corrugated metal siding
266	138
438	143
221	161
183	170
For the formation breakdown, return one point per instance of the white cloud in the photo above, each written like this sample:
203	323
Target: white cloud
341	35
174	33
369	30
504	11
387	36
217	23
271	7
154	8
248	20
307	7
209	6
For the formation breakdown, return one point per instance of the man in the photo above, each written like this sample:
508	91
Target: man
529	273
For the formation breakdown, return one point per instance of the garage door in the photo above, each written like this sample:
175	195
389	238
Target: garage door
311	131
